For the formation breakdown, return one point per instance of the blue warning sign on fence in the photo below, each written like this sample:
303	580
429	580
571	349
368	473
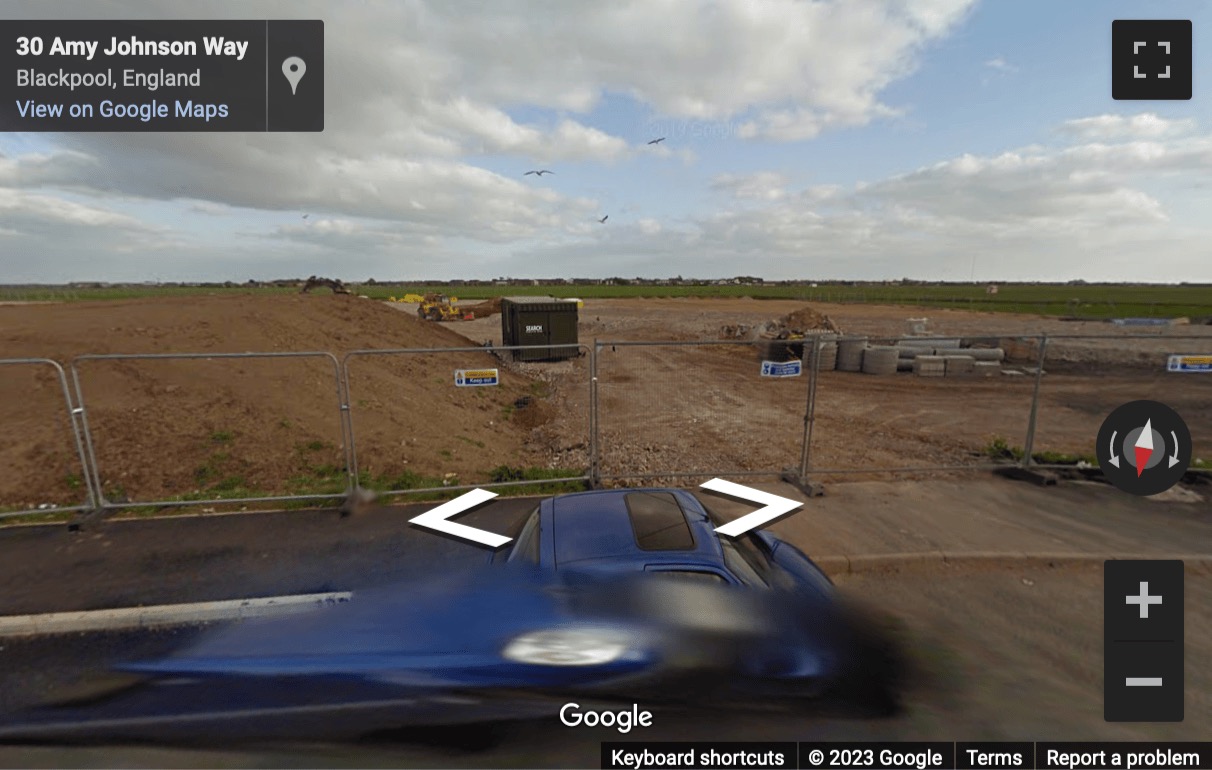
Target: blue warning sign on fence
782	368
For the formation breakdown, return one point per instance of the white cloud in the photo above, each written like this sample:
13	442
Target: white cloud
46	211
765	185
424	93
1085	210
425	88
649	226
1143	126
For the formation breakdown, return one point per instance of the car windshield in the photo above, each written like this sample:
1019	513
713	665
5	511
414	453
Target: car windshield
749	572
746	557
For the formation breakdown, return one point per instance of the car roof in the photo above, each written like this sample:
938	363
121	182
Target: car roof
633	528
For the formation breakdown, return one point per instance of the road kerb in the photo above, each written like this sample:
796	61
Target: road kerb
125	618
878	562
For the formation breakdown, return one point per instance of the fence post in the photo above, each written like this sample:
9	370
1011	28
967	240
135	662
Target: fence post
814	367
1029	443
97	494
595	476
345	417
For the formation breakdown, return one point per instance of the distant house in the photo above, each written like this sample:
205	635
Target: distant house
991	288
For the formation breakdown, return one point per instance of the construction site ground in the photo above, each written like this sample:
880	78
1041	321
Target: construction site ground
1007	648
705	408
165	429
1003	648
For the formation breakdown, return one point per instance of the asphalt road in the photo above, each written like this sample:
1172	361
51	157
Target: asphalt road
128	563
1001	652
1031	670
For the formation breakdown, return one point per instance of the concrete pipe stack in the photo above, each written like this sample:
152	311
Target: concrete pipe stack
930	366
880	359
826	348
959	366
910	349
986	354
850	354
949	346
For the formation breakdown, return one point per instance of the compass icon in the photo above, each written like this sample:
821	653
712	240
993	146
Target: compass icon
1144	447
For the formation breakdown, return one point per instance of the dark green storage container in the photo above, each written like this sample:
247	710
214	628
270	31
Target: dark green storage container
539	321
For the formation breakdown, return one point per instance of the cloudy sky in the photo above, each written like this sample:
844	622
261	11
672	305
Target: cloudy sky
866	139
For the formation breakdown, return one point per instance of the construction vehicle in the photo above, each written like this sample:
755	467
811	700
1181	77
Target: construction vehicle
781	345
313	282
439	307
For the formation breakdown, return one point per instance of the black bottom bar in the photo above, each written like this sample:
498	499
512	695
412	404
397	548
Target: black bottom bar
911	755
693	756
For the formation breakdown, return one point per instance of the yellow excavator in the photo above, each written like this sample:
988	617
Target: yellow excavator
439	307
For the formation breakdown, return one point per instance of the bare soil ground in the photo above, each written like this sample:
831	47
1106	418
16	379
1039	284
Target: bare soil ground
207	428
178	427
693	408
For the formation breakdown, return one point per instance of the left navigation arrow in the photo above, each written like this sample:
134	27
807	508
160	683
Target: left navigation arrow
437	519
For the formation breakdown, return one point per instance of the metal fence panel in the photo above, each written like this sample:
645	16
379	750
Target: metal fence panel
678	410
458	434
917	404
1086	377
620	410
22	412
249	431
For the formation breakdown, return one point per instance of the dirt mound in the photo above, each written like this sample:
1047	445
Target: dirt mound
231	427
483	309
806	319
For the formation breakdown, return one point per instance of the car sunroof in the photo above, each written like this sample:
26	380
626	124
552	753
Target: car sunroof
658	522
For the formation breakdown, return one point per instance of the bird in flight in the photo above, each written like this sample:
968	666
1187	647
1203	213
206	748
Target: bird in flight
538	173
603	219
657	141
305	216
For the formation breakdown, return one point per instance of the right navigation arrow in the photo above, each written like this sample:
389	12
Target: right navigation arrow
775	506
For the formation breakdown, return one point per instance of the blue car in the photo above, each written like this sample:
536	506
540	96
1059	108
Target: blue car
754	606
620	594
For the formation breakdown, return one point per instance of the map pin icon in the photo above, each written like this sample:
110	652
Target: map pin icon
293	68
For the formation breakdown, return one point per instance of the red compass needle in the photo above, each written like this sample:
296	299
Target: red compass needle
1144	447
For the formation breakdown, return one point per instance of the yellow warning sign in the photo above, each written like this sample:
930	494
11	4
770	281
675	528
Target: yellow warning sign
476	377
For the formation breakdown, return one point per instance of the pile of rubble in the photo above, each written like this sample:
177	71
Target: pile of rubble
806	321
795	325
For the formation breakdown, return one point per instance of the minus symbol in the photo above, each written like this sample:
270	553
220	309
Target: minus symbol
1144	681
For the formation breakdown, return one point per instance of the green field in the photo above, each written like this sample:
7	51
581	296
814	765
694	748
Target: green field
1086	300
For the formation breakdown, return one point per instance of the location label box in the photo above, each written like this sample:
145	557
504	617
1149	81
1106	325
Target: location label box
1143	641
162	76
